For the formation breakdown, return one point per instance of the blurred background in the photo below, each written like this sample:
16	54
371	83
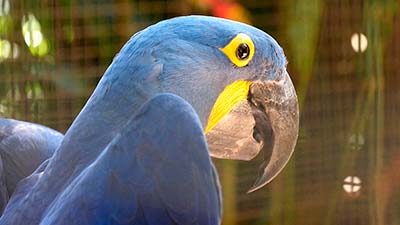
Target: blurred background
344	59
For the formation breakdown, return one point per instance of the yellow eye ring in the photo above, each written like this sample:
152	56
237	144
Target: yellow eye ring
240	50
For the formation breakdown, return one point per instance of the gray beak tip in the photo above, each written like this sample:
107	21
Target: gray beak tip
261	182
256	186
269	174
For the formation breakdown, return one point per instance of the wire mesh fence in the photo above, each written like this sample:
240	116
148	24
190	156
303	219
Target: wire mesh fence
343	57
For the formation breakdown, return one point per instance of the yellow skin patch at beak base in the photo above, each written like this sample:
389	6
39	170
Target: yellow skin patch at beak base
226	101
230	49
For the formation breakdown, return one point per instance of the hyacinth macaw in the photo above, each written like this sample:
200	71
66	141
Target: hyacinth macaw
138	152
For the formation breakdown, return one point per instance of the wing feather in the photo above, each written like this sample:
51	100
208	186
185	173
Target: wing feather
155	171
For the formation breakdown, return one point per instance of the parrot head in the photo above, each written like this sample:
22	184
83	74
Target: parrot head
234	76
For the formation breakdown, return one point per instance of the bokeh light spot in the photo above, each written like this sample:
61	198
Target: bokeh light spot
359	42
3	109
356	141
31	31
352	185
15	51
4	7
34	38
5	49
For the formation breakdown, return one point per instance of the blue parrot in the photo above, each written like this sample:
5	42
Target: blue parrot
138	152
23	147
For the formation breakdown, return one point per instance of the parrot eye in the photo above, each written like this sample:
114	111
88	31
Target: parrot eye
242	51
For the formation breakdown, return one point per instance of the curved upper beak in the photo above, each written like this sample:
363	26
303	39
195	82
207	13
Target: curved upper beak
267	120
275	109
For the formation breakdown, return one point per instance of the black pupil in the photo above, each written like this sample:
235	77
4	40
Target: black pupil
243	51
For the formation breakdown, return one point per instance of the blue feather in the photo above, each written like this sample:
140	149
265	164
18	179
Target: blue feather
23	147
178	56
155	174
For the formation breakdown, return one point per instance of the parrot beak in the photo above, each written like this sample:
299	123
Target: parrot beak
275	109
267	120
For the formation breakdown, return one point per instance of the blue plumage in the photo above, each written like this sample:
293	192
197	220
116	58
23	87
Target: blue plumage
153	174
23	147
135	154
